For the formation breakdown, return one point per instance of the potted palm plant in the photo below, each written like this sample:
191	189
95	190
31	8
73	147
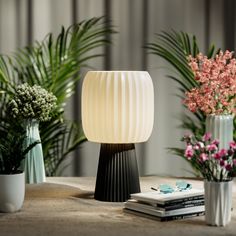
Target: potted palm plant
12	151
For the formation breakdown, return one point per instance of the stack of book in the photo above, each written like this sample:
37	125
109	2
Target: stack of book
169	206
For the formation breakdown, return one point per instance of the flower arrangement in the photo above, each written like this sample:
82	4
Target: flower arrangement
32	102
213	163
217	84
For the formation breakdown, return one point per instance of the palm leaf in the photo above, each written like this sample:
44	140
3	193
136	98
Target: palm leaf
67	137
55	64
175	47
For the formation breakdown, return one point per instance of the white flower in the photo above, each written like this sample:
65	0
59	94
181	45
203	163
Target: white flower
32	102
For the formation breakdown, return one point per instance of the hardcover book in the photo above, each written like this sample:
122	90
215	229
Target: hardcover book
149	209
167	218
169	198
198	202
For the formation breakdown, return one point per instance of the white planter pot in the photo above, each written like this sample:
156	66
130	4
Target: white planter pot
218	202
12	192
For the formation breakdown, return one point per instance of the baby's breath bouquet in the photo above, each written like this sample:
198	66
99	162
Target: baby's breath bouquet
216	77
32	102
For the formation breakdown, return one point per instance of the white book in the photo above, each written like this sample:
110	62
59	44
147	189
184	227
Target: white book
168	198
149	209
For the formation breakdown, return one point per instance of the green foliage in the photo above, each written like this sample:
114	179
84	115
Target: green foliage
174	47
58	140
12	146
55	64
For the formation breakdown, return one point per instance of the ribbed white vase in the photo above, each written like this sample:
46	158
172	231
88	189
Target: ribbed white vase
218	202
33	164
221	128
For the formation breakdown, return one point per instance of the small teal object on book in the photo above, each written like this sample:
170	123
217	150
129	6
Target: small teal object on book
165	188
183	185
180	186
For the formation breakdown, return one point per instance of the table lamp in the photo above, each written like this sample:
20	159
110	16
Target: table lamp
117	111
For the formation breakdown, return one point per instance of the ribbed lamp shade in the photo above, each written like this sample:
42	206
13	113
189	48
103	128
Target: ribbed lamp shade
117	106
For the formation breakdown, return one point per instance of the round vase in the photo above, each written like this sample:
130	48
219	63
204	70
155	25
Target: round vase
218	202
33	164
221	128
12	192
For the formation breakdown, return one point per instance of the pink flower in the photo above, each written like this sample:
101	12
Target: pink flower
216	78
222	163
203	157
208	159
211	147
217	156
206	137
230	152
228	167
232	145
223	152
215	141
189	152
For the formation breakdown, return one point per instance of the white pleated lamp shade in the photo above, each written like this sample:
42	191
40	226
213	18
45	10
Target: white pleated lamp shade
117	106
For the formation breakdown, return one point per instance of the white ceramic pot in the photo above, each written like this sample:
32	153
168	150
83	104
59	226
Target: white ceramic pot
218	202
12	192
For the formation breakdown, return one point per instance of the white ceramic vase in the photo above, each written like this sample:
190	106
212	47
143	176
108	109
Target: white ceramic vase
218	202
221	128
12	192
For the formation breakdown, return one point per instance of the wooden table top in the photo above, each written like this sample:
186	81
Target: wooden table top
65	206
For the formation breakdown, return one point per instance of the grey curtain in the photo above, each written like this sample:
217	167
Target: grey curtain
23	21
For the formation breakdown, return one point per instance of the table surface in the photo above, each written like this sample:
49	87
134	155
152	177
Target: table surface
65	206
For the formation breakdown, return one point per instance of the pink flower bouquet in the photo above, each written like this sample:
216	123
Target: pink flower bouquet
217	84
213	163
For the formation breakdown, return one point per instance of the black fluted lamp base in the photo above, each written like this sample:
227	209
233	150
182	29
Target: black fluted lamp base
117	175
